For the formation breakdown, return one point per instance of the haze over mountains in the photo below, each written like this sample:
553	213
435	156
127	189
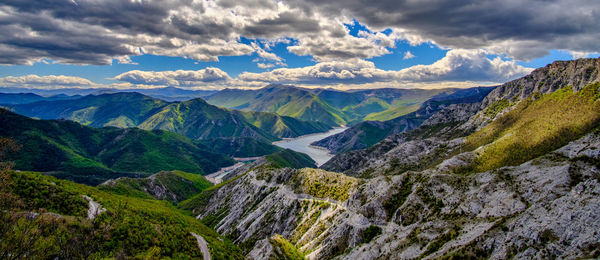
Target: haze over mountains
166	93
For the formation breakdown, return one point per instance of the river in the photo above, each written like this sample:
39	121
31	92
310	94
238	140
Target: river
302	144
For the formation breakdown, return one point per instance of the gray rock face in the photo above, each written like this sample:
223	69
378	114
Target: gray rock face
411	151
544	208
163	186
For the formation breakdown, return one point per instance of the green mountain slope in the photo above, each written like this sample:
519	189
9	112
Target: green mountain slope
194	118
378	104
239	146
331	107
102	153
45	218
198	120
172	186
368	133
290	159
283	100
119	109
282	126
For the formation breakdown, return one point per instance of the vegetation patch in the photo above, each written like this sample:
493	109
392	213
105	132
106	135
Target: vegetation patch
305	226
323	184
177	186
498	106
283	249
396	200
130	228
369	233
435	245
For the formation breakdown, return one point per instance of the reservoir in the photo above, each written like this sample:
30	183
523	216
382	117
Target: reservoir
302	144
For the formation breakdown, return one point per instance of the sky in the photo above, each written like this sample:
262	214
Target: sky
343	44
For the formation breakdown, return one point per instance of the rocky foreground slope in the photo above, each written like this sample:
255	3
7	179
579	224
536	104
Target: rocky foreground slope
542	208
513	176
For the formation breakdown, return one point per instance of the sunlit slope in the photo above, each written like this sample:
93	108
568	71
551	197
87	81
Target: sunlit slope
536	125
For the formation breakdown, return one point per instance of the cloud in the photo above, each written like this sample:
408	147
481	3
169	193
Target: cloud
457	65
45	82
467	65
523	30
99	32
408	55
102	32
264	66
178	78
459	68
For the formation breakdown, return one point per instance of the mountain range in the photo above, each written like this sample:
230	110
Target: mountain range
93	155
507	172
327	106
193	118
368	133
166	93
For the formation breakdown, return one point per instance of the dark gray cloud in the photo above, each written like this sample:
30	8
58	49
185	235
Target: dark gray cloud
523	29
97	32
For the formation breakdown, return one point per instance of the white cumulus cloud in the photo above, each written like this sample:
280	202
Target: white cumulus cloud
177	78
457	65
45	82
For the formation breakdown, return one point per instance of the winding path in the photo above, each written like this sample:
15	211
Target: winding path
94	208
202	245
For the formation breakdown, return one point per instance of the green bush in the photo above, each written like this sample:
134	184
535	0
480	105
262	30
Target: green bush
369	233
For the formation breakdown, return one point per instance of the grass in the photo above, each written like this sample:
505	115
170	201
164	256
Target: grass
536	126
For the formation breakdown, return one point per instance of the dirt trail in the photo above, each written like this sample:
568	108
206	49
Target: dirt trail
94	208
202	245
